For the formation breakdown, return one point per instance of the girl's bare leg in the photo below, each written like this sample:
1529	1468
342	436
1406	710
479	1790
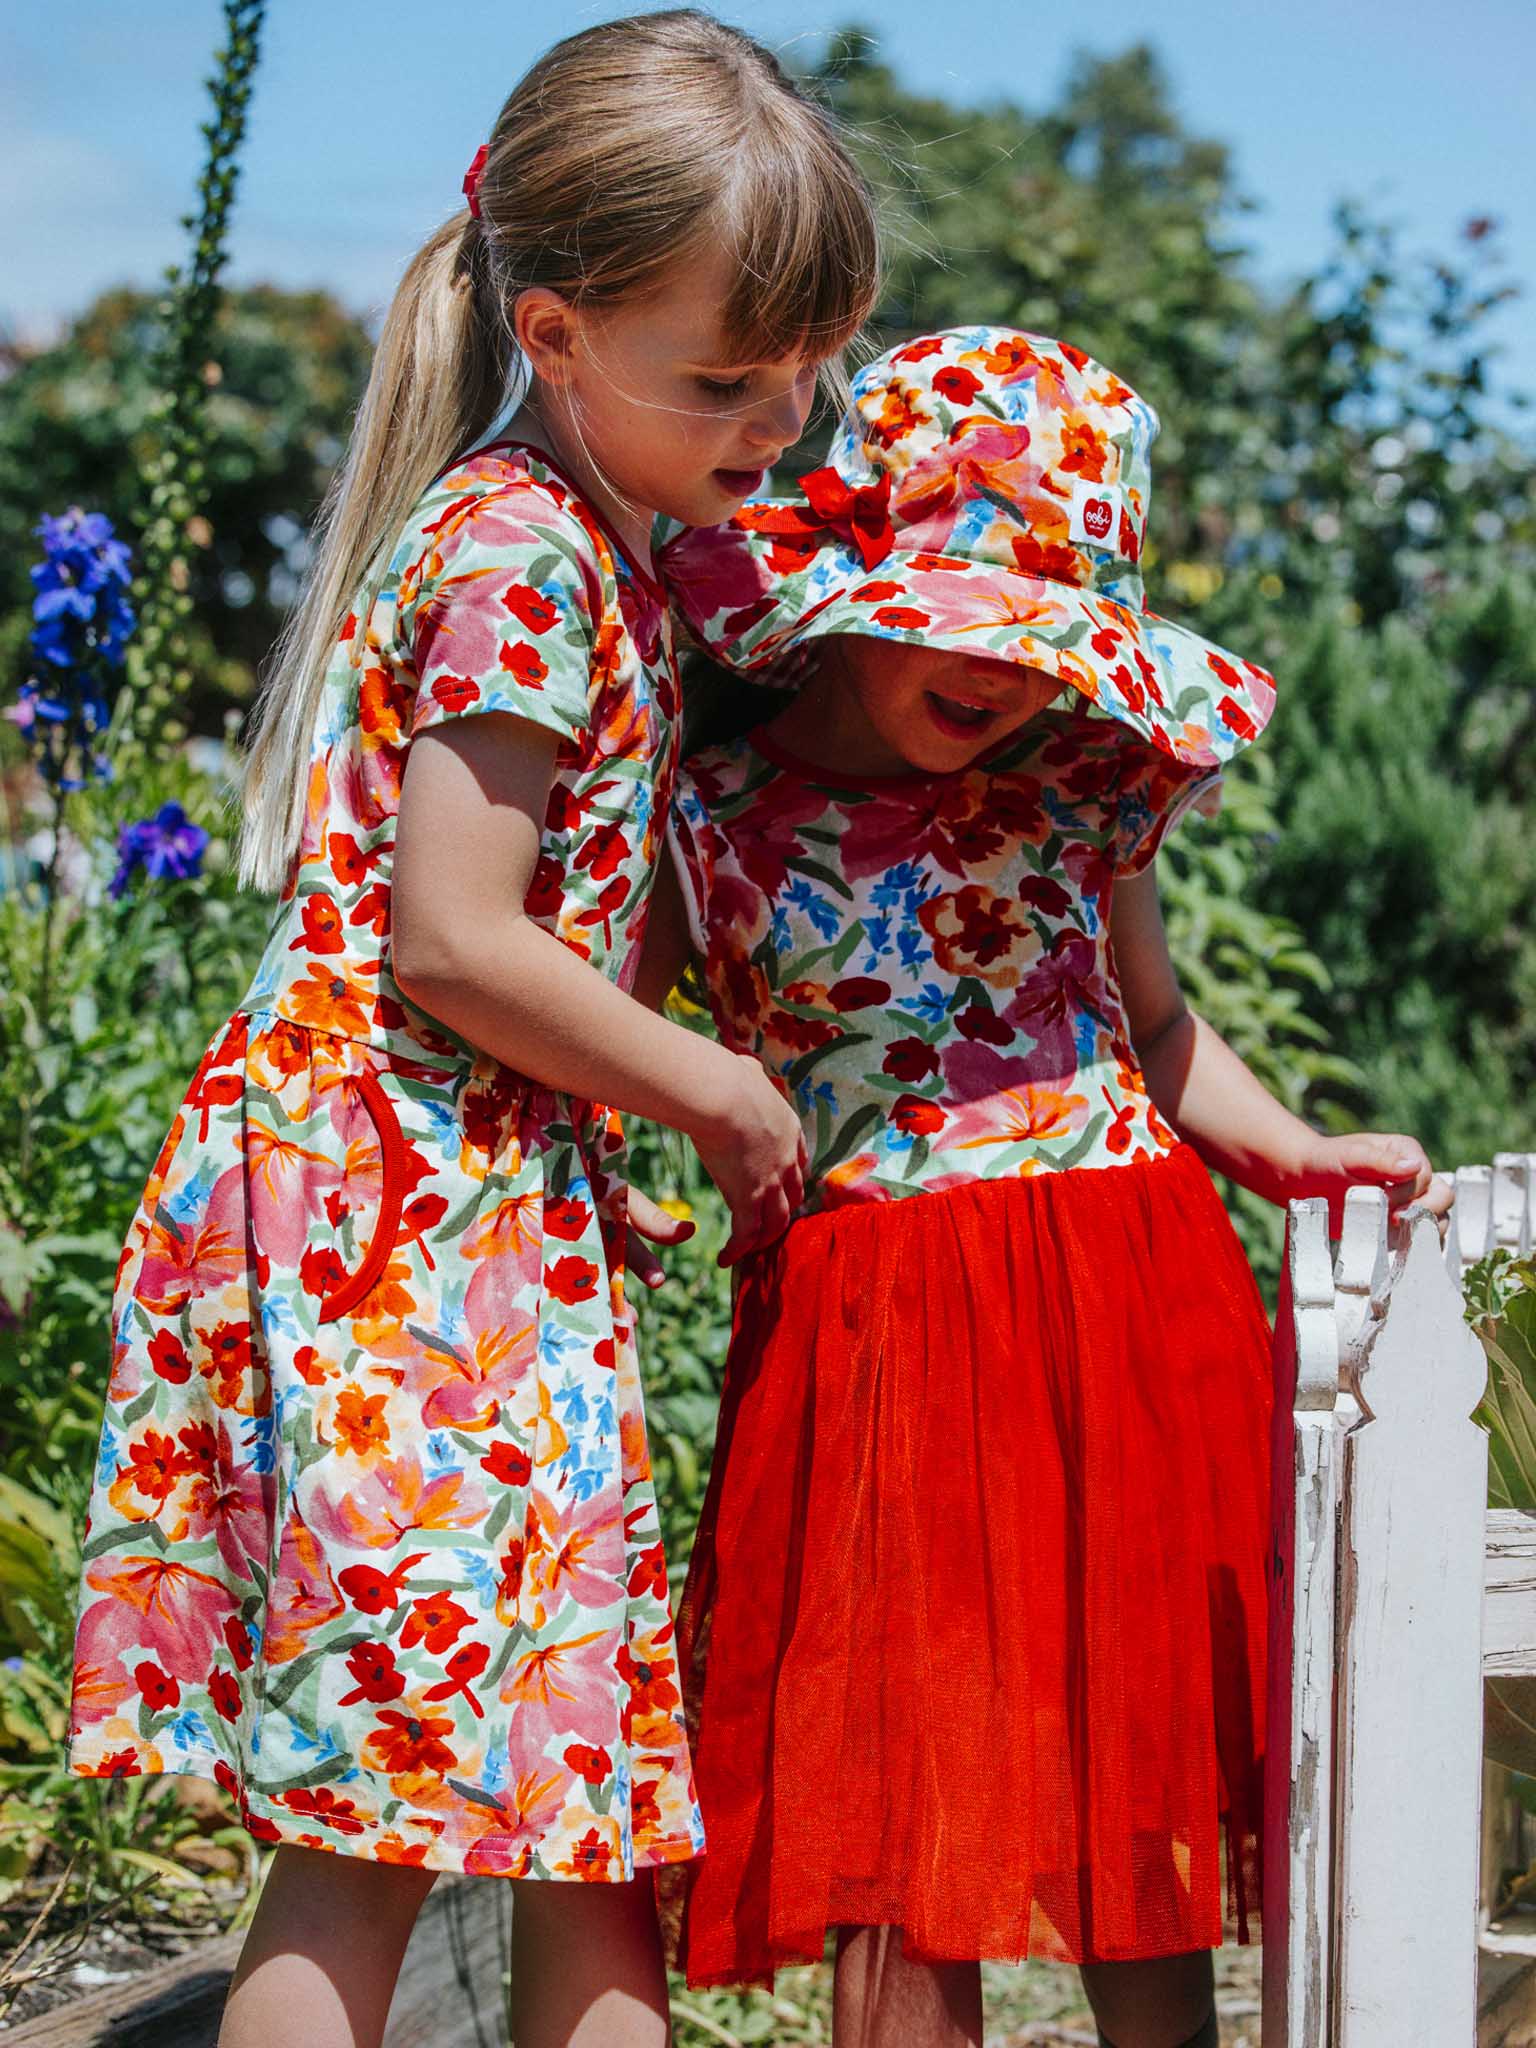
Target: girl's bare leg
319	1964
881	2000
1167	2003
586	1966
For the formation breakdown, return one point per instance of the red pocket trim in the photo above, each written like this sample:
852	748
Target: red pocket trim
391	1200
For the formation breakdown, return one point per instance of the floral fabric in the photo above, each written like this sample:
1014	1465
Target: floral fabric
923	960
987	493
373	1538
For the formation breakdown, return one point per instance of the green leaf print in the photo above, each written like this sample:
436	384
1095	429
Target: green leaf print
1087	1139
496	1521
476	1795
820	872
863	1124
847	945
807	1063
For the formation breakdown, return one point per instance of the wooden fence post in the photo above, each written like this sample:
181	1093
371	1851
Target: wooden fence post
1298	1892
1409	1742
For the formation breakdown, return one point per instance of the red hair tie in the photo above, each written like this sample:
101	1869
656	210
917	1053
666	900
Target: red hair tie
862	514
472	179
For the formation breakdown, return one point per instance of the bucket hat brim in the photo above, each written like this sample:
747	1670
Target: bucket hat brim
1192	699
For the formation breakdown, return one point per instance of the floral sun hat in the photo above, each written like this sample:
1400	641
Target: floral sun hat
986	494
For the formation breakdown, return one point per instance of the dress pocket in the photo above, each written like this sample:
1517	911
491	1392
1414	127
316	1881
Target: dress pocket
391	1198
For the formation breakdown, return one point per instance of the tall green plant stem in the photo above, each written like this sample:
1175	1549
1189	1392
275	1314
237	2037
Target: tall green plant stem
176	491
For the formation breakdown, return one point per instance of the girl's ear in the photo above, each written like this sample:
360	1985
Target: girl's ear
545	326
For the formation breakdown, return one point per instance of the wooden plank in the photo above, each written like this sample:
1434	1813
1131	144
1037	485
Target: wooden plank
1410	1678
175	2004
1509	1593
1298	1759
450	1993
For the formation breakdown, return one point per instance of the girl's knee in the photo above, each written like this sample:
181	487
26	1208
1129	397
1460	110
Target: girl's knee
312	1884
1166	2002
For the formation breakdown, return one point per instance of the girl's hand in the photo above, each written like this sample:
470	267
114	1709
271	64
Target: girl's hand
649	1221
754	1152
1380	1159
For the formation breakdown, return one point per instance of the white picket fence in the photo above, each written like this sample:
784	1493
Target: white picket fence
1395	1590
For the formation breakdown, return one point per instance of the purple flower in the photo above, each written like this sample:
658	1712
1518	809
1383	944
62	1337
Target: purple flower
167	846
81	623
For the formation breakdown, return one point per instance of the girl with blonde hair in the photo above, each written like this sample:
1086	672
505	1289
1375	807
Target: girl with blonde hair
374	1541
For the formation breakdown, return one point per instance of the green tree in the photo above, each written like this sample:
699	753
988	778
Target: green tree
77	426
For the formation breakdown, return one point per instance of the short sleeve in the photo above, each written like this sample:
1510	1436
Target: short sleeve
1154	794
506	615
691	835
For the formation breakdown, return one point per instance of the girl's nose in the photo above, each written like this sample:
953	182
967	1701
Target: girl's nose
778	422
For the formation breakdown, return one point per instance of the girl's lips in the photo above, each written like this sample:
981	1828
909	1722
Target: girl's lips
956	718
738	483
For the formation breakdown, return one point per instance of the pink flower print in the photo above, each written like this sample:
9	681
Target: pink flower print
202	1255
575	1553
1058	989
528	1808
226	1494
391	1500
304	1595
288	1184
172	1610
464	1388
565	1688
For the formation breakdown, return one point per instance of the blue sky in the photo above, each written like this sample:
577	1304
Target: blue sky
366	112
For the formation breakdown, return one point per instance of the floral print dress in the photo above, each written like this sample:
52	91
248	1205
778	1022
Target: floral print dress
373	1539
923	960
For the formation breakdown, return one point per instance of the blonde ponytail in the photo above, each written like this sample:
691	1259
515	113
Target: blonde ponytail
626	147
436	384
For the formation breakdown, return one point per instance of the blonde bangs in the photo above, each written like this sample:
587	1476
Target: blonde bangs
799	226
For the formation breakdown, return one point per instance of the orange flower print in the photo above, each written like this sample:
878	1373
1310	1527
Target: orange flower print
360	1424
404	1745
1084	450
896	414
975	931
591	1857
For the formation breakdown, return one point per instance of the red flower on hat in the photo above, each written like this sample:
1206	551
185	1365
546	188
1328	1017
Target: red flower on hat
959	386
861	514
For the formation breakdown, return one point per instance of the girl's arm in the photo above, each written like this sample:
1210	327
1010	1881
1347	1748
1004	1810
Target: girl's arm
668	943
1214	1101
471	811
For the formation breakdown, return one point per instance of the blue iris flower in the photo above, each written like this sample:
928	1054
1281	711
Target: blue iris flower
106	1457
168	847
896	883
191	1198
929	1002
821	915
555	1341
572	1402
476	1570
189	1731
81	623
260	1442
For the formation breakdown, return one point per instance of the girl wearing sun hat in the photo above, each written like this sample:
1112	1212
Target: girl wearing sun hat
980	1574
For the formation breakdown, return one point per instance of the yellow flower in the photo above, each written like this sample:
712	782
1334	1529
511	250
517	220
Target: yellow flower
682	1211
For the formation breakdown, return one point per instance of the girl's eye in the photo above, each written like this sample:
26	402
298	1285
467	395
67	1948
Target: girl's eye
718	390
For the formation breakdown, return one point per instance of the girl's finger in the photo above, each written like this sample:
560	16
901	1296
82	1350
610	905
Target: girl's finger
656	1223
643	1262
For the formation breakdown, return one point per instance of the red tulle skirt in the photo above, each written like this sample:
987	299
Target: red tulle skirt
975	1624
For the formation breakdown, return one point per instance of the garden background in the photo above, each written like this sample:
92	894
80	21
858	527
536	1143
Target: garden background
1344	490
